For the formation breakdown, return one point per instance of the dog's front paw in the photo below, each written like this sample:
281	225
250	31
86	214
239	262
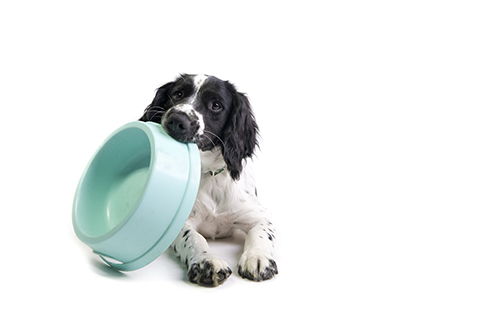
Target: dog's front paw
209	272
257	267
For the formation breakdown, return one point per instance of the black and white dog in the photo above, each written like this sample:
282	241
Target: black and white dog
211	113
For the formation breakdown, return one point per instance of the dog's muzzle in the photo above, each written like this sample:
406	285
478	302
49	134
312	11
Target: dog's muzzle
181	123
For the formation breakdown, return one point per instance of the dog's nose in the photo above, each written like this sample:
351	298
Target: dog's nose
178	124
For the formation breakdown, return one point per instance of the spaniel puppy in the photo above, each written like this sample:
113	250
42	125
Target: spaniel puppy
211	113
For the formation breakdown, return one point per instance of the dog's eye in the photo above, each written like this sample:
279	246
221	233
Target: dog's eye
216	106
178	95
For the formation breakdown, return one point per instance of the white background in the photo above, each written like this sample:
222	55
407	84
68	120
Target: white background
370	159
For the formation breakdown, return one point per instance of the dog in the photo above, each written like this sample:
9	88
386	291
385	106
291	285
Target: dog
211	113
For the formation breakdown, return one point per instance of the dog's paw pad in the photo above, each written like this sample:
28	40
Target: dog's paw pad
209	272
257	267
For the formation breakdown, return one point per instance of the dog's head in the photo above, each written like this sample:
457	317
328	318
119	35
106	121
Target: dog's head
209	112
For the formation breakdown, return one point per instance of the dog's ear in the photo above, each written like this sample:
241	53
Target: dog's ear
156	109
240	135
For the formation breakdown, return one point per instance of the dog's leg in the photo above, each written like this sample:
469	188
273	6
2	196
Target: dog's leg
256	262
204	268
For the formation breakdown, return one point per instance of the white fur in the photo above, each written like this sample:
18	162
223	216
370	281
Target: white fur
199	80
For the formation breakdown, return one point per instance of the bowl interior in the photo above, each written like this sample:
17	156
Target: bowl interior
114	183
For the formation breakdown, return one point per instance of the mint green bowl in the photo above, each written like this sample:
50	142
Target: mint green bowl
136	194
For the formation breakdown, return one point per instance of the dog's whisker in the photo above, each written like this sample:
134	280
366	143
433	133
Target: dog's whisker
152	109
155	108
161	112
181	76
209	139
214	136
202	143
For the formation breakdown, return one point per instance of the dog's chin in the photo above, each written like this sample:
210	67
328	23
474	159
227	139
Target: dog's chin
181	137
204	144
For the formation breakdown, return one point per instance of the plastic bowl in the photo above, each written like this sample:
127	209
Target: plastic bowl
136	194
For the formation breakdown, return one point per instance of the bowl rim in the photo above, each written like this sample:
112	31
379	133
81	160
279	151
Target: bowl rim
92	239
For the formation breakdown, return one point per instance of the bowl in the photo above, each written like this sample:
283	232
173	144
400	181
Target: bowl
135	195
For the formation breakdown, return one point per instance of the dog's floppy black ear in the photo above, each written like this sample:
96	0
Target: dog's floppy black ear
156	109
240	136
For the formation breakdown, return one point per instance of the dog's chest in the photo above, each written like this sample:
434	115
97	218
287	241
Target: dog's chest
214	209
216	227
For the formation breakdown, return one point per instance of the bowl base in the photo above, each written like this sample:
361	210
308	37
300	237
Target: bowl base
124	195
